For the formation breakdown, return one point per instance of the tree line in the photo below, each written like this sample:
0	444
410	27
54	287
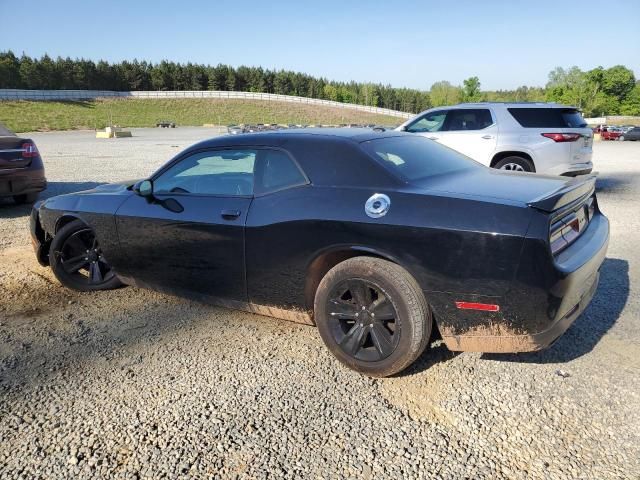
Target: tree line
66	73
597	92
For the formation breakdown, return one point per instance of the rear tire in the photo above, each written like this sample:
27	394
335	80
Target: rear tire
25	198
77	260
621	138
346	303
515	164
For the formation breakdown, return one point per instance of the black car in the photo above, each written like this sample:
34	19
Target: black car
632	134
165	124
21	169
375	237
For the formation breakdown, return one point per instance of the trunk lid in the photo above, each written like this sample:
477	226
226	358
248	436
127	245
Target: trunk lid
575	188
544	192
12	151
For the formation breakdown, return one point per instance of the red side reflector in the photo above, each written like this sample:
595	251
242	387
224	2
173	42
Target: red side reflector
485	307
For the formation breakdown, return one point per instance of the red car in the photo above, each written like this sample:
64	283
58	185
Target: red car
611	133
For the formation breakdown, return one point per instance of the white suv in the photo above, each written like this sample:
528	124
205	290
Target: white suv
530	137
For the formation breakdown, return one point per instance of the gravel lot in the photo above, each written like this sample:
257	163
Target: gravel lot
134	384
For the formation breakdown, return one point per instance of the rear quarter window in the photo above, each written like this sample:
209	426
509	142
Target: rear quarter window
548	117
414	157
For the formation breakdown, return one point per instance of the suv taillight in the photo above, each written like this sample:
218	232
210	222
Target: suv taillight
29	150
562	137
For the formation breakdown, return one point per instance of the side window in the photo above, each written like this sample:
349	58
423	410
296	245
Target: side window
431	122
469	119
215	172
275	170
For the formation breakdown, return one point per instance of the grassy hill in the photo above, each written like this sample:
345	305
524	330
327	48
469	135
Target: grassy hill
29	116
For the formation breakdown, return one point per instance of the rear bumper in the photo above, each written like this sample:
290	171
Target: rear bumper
577	271
21	181
571	169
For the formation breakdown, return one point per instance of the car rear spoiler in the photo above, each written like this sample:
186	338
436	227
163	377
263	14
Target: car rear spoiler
574	189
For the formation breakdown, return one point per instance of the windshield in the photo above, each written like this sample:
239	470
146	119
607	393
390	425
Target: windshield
414	157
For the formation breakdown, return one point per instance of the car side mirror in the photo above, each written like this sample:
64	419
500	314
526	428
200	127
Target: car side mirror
403	128
144	188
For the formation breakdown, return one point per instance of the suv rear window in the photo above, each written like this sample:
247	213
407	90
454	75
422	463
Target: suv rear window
548	117
415	157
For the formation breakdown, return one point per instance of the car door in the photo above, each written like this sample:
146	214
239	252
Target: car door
472	132
187	238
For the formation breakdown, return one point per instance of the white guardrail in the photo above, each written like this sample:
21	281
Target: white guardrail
18	94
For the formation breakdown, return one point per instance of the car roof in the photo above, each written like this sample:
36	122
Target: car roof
278	137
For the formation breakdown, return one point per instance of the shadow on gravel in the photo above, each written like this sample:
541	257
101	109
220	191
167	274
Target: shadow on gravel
604	310
8	209
616	182
435	353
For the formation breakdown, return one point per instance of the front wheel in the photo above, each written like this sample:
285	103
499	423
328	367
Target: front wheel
372	315
77	260
621	138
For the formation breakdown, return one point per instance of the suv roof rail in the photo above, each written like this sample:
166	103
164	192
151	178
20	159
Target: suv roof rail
546	104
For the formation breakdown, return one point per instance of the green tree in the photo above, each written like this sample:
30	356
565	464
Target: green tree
443	93
471	90
618	82
330	92
631	104
9	70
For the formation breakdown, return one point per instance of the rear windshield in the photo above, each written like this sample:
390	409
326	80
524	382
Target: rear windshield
415	157
548	117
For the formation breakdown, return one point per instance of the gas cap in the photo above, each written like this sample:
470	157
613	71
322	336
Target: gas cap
377	206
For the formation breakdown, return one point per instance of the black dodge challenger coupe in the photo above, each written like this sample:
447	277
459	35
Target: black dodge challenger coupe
374	237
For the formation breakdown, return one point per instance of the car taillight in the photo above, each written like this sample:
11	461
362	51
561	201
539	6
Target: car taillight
29	150
567	229
562	137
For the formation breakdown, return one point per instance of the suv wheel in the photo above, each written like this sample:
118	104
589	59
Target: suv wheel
372	315
515	164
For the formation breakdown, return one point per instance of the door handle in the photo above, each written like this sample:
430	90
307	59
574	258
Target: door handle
230	214
487	137
432	138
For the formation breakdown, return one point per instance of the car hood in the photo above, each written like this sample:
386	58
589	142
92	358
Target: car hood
117	187
545	192
104	199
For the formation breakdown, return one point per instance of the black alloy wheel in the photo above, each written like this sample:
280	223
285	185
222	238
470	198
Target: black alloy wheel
364	321
77	259
372	315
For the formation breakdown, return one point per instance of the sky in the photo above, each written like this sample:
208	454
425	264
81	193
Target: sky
402	43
